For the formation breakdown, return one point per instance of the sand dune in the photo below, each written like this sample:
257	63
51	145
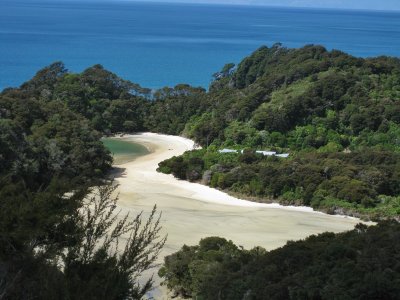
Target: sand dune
193	211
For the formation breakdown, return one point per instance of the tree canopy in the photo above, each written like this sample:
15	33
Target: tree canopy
360	264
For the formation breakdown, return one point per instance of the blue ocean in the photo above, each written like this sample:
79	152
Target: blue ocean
160	45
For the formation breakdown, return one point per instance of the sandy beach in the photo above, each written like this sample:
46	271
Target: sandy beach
193	211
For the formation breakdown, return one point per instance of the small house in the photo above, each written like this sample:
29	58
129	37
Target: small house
266	153
227	151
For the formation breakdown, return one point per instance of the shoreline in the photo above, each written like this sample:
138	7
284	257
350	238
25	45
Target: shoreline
203	192
191	211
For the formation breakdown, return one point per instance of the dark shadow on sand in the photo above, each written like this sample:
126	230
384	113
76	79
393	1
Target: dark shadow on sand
117	172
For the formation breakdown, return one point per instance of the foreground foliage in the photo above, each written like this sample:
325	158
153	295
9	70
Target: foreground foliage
73	251
360	264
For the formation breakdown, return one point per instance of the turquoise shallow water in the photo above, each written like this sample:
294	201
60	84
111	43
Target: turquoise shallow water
124	151
164	44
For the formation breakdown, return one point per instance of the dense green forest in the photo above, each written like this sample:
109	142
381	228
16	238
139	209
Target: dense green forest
337	116
360	264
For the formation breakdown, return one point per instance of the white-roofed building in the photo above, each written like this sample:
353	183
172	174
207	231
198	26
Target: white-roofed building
227	151
266	153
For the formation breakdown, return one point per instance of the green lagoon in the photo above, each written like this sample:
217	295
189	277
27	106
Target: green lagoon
124	151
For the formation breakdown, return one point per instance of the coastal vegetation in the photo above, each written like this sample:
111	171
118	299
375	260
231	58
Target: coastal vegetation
338	116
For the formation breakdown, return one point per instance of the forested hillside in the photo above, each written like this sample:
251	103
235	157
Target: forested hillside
338	116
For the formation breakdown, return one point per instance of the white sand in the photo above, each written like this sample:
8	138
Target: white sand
193	211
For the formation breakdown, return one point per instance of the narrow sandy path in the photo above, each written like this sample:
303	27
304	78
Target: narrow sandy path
193	211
